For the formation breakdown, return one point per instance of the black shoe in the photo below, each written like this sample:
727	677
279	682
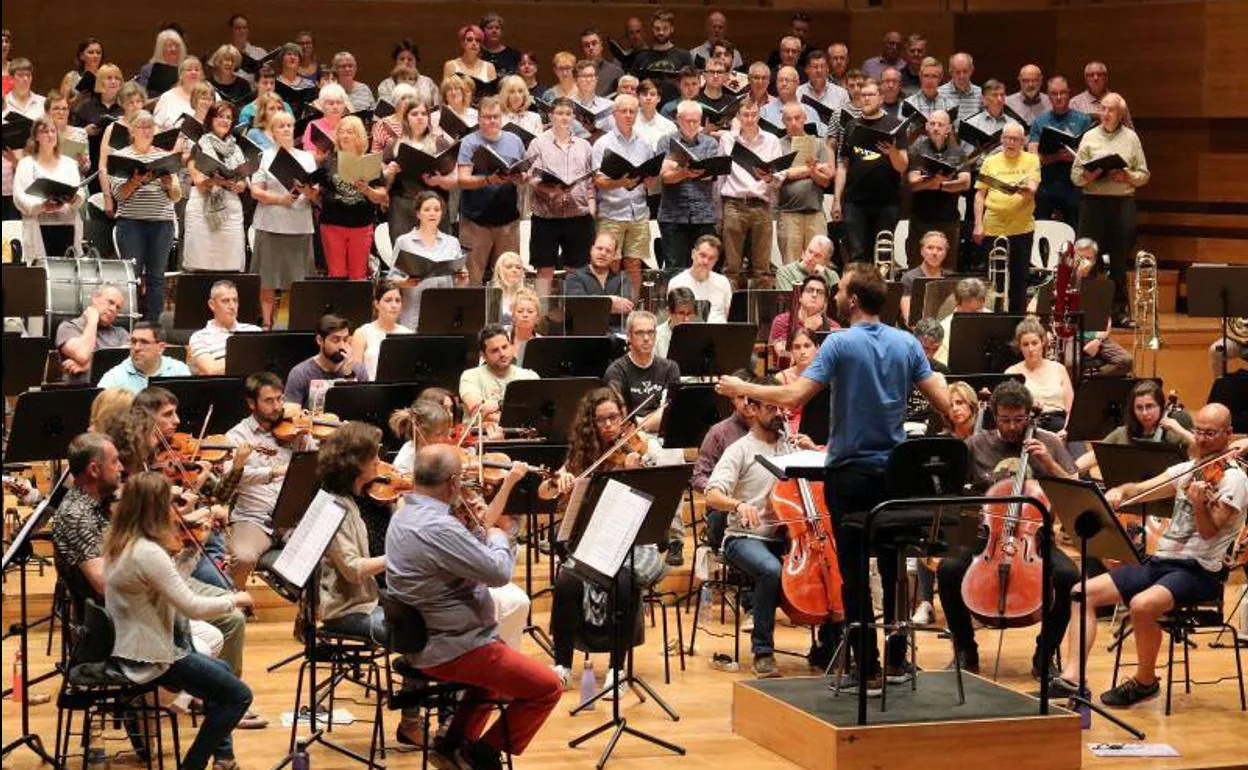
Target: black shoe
820	656
1035	666
1130	693
479	755
1060	688
968	661
676	553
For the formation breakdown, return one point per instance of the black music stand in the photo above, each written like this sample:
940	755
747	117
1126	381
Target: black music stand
710	350
192	292
459	310
692	409
985	342
934	294
547	405
1096	301
24	362
1218	291
311	299
1231	390
759	307
816	419
663	486
568	356
890	313
436	359
583	316
24	290
1100	406
1087	515
45	421
20	551
372	402
195	394
1138	461
277	352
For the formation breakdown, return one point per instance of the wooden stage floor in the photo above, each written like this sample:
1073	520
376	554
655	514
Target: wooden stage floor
1206	727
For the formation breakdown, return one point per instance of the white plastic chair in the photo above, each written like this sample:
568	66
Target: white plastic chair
900	234
652	259
526	229
1056	233
381	242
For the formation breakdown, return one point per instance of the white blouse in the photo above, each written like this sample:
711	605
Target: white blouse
296	220
28	170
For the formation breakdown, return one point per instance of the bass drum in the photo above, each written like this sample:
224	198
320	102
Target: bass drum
72	279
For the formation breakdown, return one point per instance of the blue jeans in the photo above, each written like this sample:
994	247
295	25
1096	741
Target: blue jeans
360	624
760	559
147	242
678	239
225	698
204	572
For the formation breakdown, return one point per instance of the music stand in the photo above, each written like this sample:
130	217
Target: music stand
546	405
311	299
1218	291
709	350
1138	461
459	310
277	352
936	293
1087	515
1100	406
20	551
890	314
372	402
985	342
918	297
577	316
663	486
692	409
195	394
568	356
759	307
1096	301
24	291
45	421
24	361
436	359
1231	390
192	291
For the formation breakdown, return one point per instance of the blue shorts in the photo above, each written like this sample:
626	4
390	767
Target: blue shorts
1186	580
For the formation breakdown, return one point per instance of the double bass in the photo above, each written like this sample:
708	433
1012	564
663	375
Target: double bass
1003	587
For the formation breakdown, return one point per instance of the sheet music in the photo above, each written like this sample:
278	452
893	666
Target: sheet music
804	458
610	533
572	510
310	539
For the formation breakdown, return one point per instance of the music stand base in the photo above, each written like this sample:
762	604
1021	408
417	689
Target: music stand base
621	727
1076	701
541	639
35	744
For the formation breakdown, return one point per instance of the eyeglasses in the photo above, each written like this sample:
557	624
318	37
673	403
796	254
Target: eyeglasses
608	419
642	332
1206	433
814	290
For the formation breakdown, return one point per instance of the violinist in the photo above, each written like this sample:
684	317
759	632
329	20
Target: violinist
251	520
1148	419
1188	567
82	517
437	425
598	425
332	362
147	359
754	542
442	569
994	455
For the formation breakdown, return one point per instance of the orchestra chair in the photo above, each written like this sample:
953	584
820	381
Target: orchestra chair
662	600
722	578
94	686
350	658
1180	625
408	635
942	464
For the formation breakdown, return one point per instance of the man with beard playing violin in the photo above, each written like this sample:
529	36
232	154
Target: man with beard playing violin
754	540
995	455
1189	565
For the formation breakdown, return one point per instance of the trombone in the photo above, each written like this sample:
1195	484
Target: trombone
999	274
882	252
1144	308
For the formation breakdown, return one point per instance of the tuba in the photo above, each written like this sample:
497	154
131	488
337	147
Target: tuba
999	275
1144	308
883	255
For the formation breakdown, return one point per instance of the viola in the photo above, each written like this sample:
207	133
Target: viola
213	449
810	576
635	443
320	427
389	484
1003	587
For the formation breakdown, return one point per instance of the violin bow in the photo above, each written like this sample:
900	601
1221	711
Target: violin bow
619	442
1228	454
203	431
198	546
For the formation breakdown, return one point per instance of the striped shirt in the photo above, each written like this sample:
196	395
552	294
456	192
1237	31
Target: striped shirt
969	101
210	340
923	104
149	201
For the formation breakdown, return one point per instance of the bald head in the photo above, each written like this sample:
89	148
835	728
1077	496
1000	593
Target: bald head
1214	416
1029	80
436	464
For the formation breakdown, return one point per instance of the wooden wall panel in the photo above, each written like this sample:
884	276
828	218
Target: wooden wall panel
1225	81
867	30
1003	42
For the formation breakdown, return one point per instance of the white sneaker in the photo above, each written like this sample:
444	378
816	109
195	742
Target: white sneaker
565	676
924	614
610	684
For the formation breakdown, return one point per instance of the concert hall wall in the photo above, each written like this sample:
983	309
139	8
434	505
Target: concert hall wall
1178	64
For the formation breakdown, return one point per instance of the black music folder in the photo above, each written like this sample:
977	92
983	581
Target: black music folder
614	166
746	159
414	163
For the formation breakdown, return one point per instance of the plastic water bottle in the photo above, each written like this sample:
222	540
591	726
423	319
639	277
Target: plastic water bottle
301	760
1085	711
19	693
704	601
589	685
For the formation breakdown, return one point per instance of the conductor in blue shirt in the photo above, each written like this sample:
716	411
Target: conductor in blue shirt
870	370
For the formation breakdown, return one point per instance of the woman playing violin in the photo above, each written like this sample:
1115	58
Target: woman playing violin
598	426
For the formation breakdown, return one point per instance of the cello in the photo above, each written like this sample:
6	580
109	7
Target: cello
810	575
1003	587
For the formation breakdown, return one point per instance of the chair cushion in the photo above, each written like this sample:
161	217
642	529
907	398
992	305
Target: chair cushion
98	674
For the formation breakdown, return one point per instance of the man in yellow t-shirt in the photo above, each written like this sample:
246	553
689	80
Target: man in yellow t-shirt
1005	205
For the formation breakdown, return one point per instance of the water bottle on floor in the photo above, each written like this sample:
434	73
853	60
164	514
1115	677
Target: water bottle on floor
589	684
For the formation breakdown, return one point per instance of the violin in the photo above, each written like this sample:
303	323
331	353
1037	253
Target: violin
490	468
633	443
388	484
1003	587
212	449
320	427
